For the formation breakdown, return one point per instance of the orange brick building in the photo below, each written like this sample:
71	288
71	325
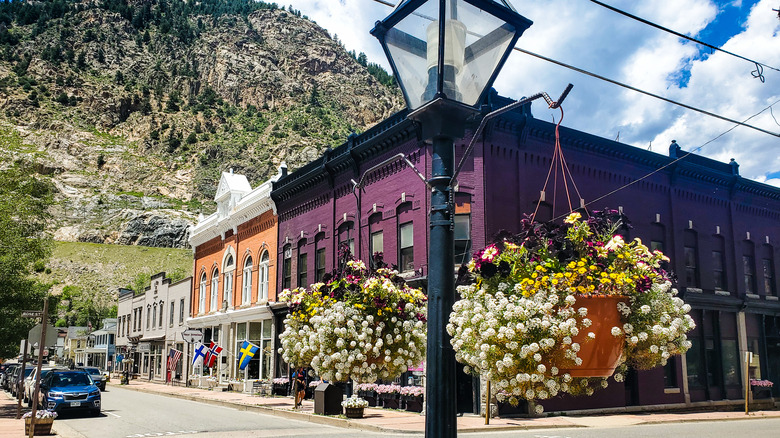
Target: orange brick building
233	296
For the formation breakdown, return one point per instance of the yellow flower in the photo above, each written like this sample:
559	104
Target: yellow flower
572	218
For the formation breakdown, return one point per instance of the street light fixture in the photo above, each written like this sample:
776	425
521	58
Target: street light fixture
445	55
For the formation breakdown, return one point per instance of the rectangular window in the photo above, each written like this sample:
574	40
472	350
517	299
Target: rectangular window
303	270
345	236
730	362
319	262
148	319
691	274
750	274
287	268
160	321
769	277
377	242
170	323
406	245
718	273
462	235
181	311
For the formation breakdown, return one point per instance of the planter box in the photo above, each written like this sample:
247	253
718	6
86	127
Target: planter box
369	396
413	403
42	426
391	401
281	389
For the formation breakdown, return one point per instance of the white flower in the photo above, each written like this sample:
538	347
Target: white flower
616	331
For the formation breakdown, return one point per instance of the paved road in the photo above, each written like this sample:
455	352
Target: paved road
132	414
759	428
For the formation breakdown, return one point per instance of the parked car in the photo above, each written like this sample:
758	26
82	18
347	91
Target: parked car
97	376
29	383
69	390
18	380
5	379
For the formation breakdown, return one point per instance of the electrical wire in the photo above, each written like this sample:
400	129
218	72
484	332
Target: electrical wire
647	93
758	73
696	149
629	87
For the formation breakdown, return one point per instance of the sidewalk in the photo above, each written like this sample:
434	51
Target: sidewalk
387	420
10	427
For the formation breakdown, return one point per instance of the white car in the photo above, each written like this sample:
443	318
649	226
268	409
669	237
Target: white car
29	383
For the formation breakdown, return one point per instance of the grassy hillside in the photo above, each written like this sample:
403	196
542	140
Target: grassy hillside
88	276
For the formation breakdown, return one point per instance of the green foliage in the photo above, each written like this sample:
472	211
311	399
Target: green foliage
24	246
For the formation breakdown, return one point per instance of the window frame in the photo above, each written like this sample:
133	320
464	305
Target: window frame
246	281
405	253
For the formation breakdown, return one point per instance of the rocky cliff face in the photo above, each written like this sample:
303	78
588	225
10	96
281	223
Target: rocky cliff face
133	108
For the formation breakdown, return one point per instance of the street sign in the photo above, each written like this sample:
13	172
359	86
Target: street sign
32	313
192	336
34	335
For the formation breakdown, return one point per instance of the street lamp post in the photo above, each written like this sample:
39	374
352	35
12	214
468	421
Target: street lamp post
445	55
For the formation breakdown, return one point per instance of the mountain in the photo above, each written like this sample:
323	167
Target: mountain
134	107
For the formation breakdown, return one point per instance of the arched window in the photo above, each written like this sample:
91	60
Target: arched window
303	264
262	293
154	315
160	321
202	297
214	289
287	267
246	289
229	269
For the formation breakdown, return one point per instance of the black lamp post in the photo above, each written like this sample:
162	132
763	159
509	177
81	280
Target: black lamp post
445	55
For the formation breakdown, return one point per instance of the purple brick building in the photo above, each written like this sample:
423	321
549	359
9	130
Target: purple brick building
720	230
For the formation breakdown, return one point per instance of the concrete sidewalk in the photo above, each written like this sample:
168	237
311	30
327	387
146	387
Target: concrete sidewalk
389	420
10	427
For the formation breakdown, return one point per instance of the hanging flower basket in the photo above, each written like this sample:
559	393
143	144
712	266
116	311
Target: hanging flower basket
559	308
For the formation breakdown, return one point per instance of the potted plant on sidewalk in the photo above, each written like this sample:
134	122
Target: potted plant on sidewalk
44	420
368	392
412	398
390	395
354	406
558	308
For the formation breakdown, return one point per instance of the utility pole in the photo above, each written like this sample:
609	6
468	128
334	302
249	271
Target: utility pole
41	346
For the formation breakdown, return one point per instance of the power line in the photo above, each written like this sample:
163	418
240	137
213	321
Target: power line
757	73
696	149
629	87
647	93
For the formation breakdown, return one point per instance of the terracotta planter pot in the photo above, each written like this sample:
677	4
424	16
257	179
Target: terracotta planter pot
599	356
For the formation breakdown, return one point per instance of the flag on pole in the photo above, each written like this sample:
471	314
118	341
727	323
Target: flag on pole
211	356
199	353
247	351
173	359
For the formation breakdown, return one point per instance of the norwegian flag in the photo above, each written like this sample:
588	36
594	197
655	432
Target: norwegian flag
211	356
173	359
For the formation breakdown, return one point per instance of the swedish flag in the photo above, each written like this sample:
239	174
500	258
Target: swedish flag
247	351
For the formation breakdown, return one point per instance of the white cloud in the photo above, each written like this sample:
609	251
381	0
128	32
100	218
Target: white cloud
585	35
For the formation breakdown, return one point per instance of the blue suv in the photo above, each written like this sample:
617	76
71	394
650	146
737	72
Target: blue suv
70	390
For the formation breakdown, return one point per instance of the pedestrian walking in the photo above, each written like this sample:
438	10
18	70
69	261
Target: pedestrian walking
299	385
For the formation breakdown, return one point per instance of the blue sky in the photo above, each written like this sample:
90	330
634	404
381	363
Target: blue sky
588	36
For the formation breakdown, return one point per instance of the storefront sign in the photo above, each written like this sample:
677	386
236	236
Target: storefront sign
144	347
192	336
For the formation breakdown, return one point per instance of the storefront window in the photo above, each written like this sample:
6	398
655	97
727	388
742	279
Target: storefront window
694	365
730	362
